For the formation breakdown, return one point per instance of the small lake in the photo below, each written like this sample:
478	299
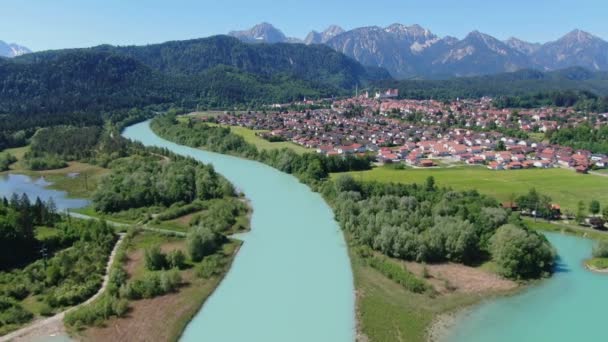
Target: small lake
37	187
291	280
571	306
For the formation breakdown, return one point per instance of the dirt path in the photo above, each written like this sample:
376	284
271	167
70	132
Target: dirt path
53	326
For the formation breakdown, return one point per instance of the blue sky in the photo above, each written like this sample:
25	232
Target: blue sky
50	24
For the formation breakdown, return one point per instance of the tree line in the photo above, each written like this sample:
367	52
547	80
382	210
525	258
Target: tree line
411	222
309	166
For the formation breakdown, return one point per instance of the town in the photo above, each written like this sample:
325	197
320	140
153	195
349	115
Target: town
424	133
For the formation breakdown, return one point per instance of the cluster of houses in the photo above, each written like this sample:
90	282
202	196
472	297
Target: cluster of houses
332	131
479	113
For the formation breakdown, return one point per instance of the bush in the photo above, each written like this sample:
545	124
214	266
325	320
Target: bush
170	281
46	310
95	313
398	274
202	241
211	266
176	259
12	313
600	250
521	253
152	285
155	259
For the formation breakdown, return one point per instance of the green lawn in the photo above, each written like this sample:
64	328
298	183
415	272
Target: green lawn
565	187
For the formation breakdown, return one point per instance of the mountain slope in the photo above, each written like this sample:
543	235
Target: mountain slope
318	64
219	71
476	54
415	52
522	46
12	50
315	37
576	48
521	82
262	33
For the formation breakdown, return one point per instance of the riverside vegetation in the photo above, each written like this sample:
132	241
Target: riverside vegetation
49	262
148	187
388	222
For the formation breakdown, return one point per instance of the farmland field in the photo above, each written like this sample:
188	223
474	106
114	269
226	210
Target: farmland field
565	187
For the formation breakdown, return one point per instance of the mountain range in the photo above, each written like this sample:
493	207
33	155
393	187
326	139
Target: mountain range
218	71
415	52
12	50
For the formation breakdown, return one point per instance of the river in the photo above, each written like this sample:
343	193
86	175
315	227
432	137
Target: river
291	280
571	306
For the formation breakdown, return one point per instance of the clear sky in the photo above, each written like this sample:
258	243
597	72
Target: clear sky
51	24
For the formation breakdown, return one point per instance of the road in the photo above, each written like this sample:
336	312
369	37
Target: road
53	326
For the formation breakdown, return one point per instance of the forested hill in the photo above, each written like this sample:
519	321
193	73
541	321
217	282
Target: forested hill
77	81
320	64
522	82
219	71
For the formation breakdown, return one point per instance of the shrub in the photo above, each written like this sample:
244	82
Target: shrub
211	266
202	242
96	312
155	259
521	253
176	259
398	274
170	281
46	310
600	250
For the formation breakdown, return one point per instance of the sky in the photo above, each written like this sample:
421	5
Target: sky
55	24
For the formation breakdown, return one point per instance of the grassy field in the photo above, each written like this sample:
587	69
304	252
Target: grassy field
565	187
250	136
561	227
388	312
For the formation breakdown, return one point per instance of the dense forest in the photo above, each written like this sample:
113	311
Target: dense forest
582	137
523	83
218	71
411	222
146	181
18	219
580	100
425	223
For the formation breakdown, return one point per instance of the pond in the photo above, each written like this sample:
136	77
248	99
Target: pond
37	187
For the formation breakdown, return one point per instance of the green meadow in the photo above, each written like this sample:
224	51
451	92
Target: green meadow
565	187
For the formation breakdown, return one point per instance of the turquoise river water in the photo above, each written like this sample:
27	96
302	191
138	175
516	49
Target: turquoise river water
571	306
291	280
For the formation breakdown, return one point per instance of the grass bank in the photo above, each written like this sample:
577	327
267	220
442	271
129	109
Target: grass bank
565	228
565	187
251	136
386	311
